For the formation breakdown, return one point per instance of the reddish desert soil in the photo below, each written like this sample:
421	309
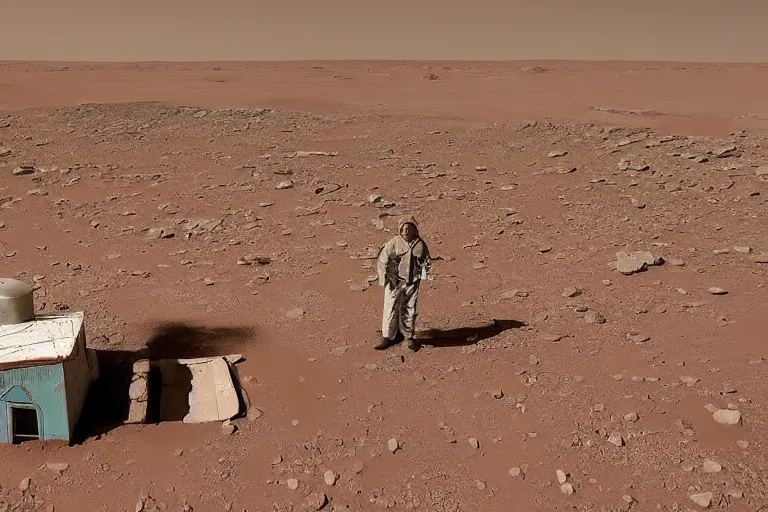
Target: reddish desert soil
199	150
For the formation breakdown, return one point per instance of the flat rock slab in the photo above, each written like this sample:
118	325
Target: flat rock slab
629	263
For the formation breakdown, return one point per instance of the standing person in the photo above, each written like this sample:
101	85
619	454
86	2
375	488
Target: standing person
403	262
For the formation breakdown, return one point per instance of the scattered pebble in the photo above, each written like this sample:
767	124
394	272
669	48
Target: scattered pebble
329	477
292	484
561	476
567	488
717	291
474	443
515	471
393	445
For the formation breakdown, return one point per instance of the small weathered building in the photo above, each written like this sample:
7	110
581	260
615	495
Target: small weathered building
45	368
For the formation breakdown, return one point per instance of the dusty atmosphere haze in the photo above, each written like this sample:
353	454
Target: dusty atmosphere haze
199	30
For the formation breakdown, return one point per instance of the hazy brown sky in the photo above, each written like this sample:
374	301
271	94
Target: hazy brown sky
130	30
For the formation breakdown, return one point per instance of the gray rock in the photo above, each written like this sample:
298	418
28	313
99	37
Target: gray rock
688	380
727	417
724	151
58	467
295	313
567	488
571	292
702	499
592	317
561	476
158	233
317	500
636	337
283	185
5	152
630	263
329	477
474	443
710	466
631	417
717	291
393	445
616	439
23	170
292	484
254	259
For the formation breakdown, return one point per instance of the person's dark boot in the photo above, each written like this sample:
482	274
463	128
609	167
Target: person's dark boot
413	345
384	344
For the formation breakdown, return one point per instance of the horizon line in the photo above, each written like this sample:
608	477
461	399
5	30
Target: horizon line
383	60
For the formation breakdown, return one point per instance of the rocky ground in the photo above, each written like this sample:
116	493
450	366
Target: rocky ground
625	269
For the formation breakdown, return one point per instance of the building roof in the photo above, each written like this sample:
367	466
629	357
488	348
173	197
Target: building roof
44	340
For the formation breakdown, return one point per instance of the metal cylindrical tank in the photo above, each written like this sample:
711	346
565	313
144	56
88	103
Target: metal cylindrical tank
17	304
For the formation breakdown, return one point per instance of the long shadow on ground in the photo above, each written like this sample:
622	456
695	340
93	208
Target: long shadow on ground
464	336
106	407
